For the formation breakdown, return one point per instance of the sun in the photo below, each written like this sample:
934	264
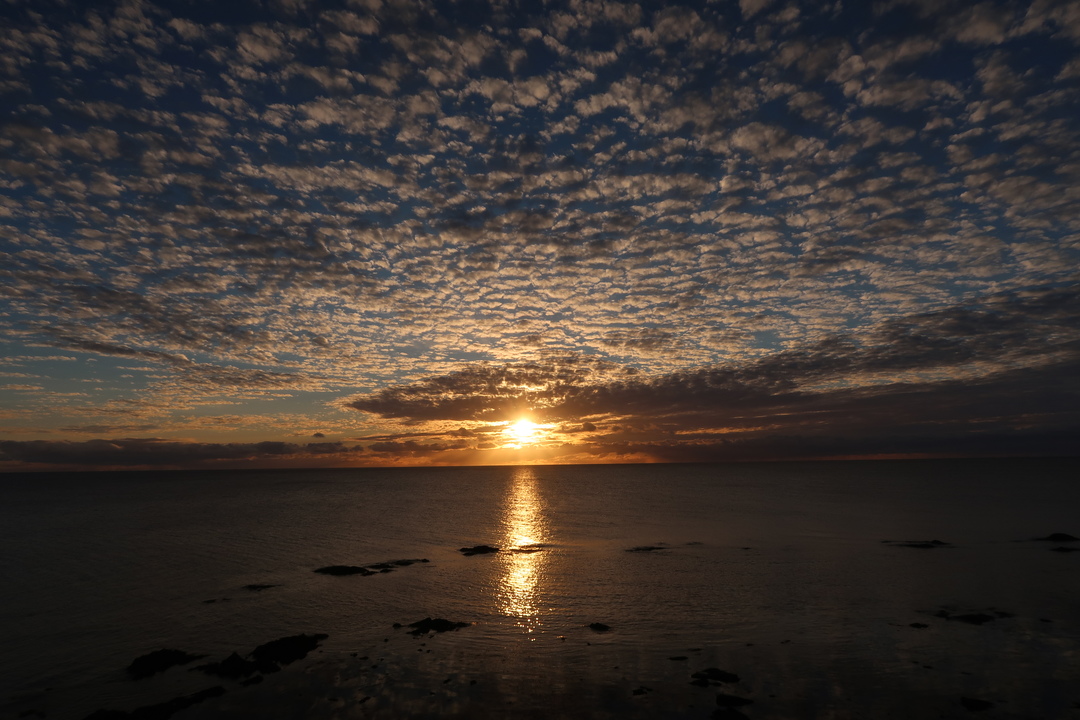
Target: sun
523	431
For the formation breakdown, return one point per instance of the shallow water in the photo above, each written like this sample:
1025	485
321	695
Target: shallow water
775	572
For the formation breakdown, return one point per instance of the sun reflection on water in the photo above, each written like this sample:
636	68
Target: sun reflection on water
524	533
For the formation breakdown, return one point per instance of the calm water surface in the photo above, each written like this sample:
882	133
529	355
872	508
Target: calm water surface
775	572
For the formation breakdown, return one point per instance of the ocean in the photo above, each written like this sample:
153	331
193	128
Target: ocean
767	590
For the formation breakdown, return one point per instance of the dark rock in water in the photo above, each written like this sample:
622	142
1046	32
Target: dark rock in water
726	700
641	690
159	661
919	626
645	548
972	618
253	680
344	570
535	547
287	649
716	674
438	625
728	713
678	657
255	587
1064	549
1058	537
975	705
234	667
599	627
920	544
161	711
478	550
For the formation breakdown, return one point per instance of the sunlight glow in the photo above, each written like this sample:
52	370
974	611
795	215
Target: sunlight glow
523	432
518	593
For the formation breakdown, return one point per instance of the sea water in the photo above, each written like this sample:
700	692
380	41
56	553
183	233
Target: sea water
775	572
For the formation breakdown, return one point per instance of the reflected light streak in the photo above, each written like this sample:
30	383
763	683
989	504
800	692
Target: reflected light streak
517	594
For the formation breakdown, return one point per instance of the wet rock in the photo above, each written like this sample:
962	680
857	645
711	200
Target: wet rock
1064	549
920	544
287	649
253	680
728	713
535	547
918	626
159	661
478	550
1058	537
678	657
725	700
972	618
233	667
161	711
255	587
715	675
646	548
344	570
641	690
975	705
436	625
599	627
394	564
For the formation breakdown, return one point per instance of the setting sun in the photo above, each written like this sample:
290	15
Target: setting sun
523	431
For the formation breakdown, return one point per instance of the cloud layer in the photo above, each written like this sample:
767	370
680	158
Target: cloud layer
257	222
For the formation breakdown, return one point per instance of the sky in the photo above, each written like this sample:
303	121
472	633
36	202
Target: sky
401	232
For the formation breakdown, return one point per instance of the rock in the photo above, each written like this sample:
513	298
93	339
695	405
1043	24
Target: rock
975	705
972	618
919	626
678	657
599	627
478	550
535	547
715	675
287	649
645	548
253	680
255	587
641	690
1064	549
920	544
728	713
1058	537
160	711
158	661
438	625
725	700
344	570
234	667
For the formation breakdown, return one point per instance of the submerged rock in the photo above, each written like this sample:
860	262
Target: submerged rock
599	627
535	547
233	667
715	675
725	700
159	661
435	625
161	711
646	548
287	649
266	658
255	587
1058	537
920	544
478	550
1064	549
975	705
344	570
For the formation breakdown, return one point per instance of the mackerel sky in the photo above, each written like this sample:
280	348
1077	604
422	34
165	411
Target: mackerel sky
373	232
